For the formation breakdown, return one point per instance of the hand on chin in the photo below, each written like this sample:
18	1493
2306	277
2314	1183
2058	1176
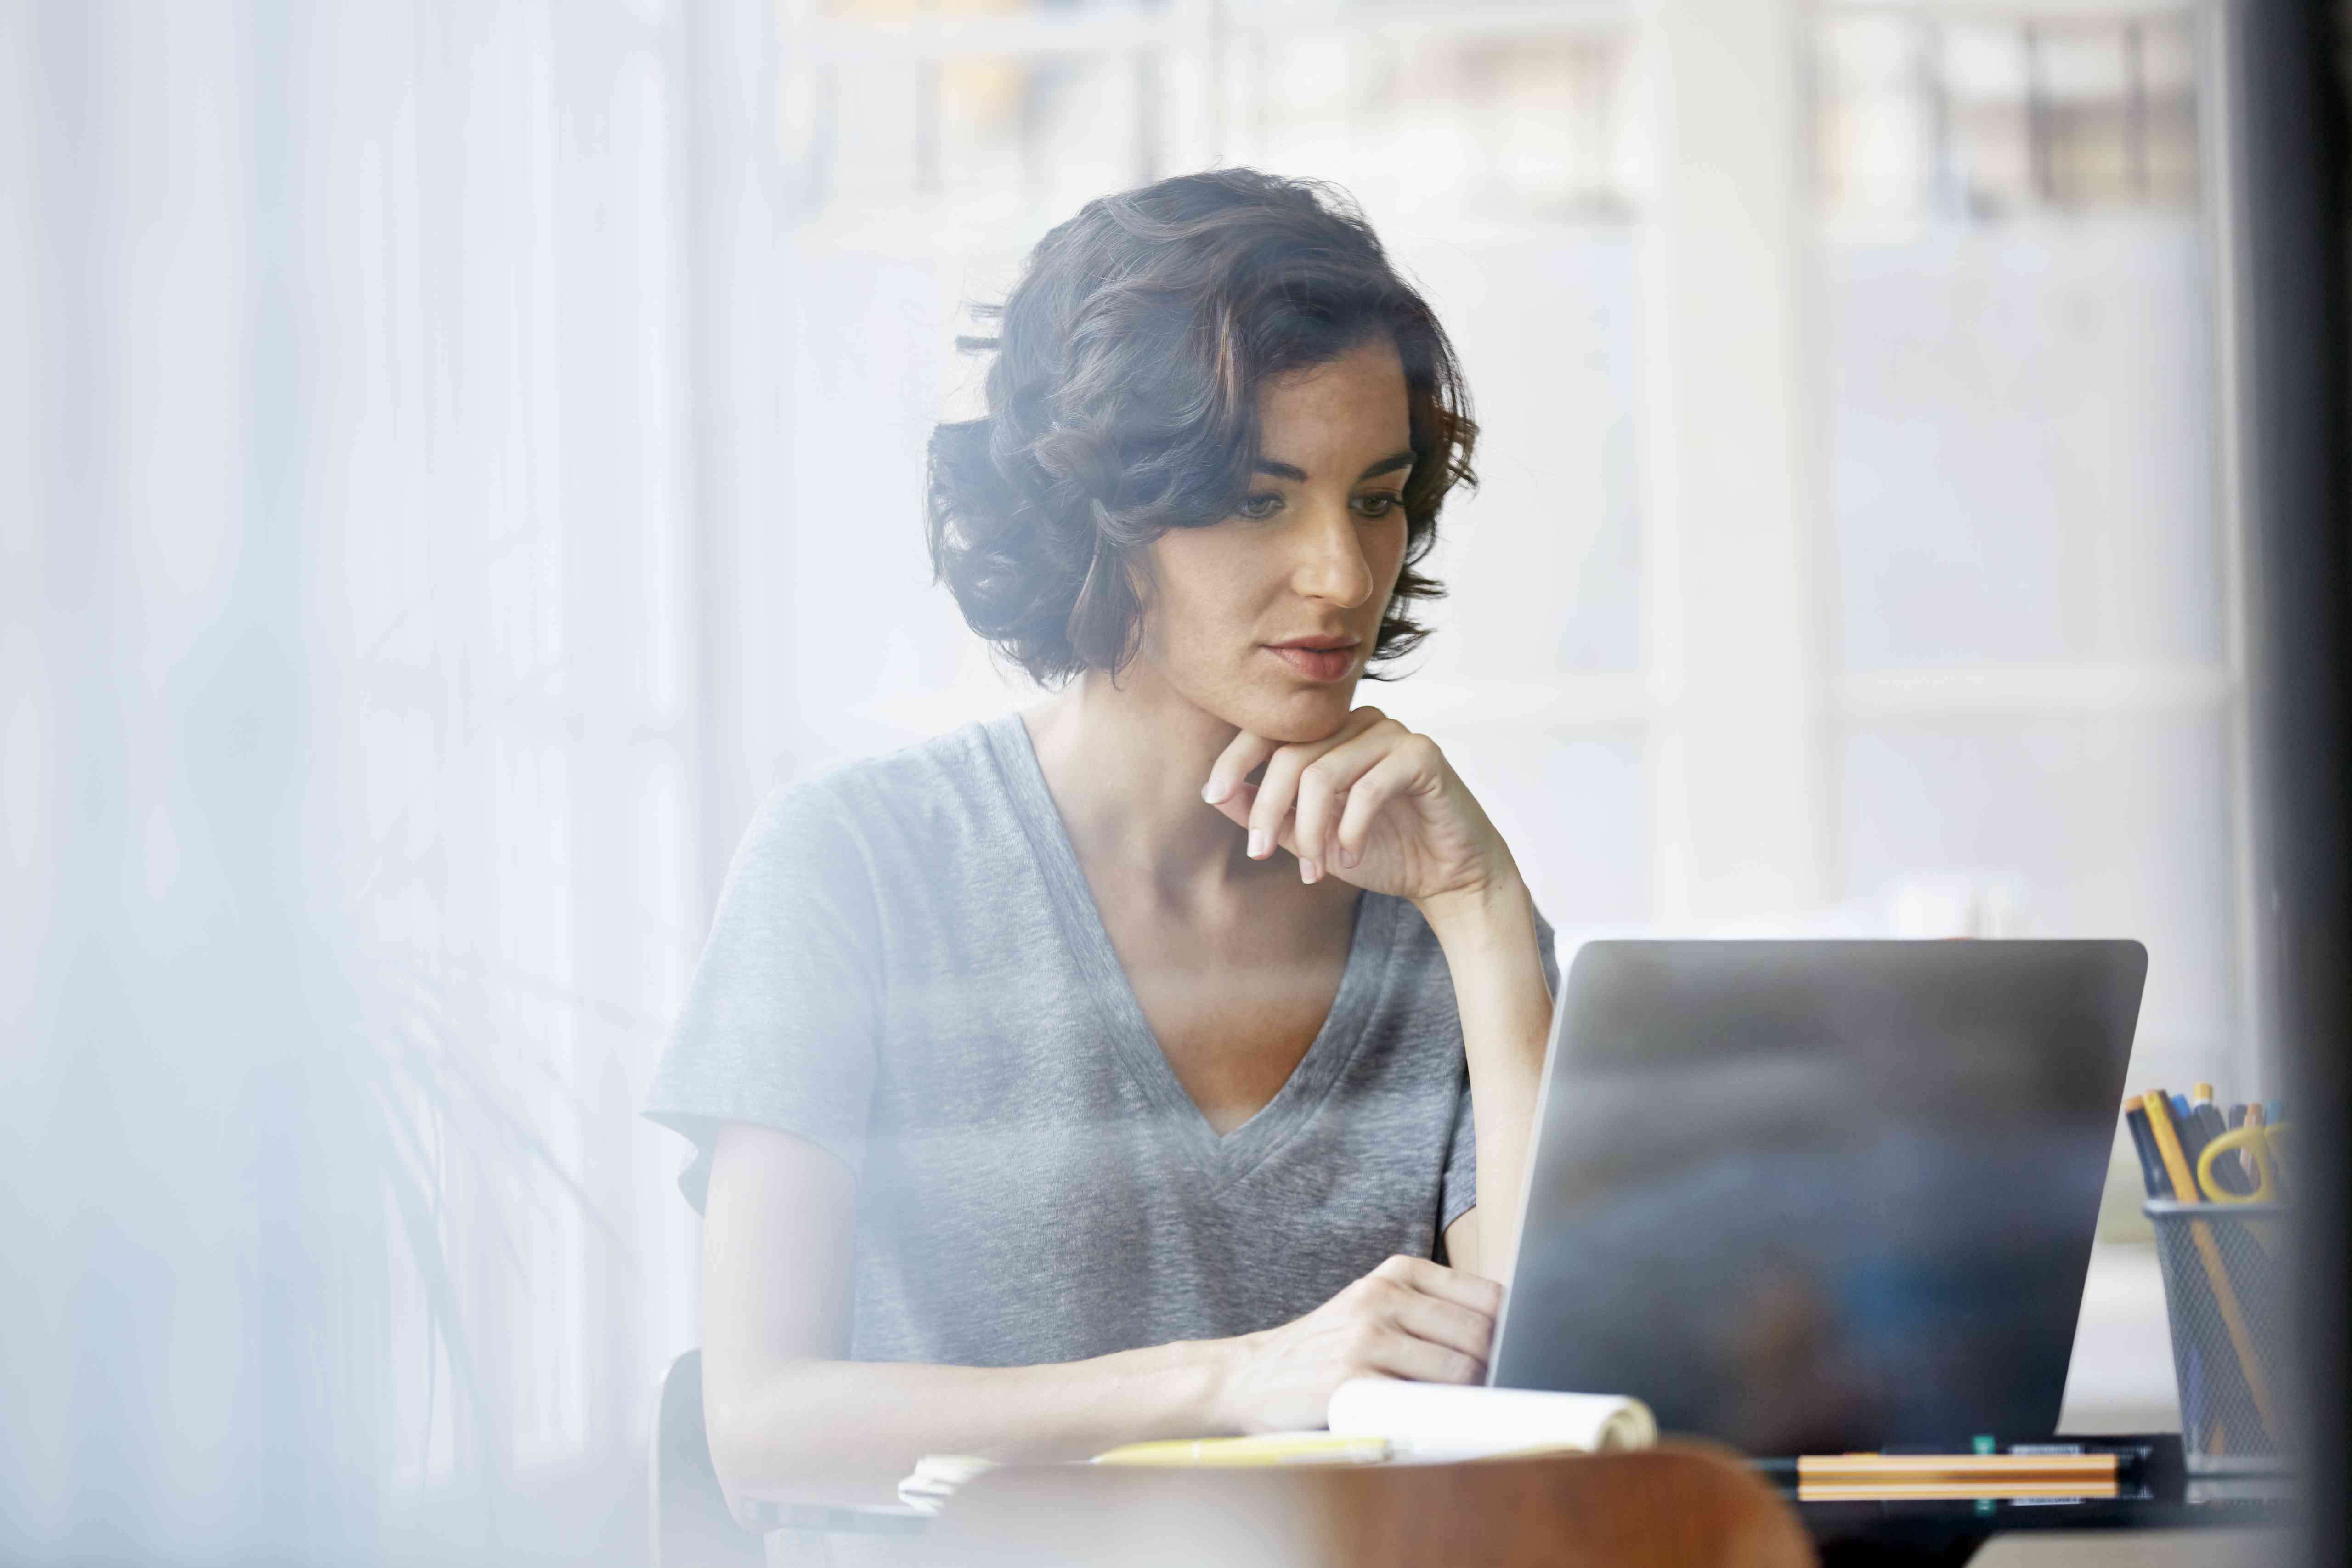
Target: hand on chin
1372	803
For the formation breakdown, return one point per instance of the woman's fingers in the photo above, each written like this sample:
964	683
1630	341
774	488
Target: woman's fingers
1242	756
1394	773
1409	1318
1316	813
1278	789
1431	1277
1325	784
1439	1307
1403	1355
1447	1323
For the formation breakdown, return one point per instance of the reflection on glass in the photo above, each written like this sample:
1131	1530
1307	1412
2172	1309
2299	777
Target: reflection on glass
2023	452
1979	116
2077	827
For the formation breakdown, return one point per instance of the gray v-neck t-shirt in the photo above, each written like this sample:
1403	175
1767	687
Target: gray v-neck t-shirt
907	969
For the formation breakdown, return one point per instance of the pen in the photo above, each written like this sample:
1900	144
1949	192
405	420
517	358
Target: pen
2151	1164
2207	1117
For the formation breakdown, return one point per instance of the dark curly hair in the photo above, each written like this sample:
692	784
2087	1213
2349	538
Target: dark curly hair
1123	401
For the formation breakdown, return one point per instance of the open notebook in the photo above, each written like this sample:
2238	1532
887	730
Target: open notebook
1441	1421
1374	1421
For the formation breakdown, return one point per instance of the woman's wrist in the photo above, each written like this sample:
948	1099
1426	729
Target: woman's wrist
1497	907
1221	1413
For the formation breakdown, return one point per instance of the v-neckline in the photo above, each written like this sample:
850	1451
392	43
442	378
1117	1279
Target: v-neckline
1228	1156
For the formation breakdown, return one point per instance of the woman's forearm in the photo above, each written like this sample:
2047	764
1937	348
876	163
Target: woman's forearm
791	1419
843	1433
1493	952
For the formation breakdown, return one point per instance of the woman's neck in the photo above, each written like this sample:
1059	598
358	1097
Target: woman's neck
1126	764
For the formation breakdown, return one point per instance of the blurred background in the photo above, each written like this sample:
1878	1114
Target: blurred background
459	455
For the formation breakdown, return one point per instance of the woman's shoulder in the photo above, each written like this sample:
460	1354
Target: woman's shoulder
944	764
933	797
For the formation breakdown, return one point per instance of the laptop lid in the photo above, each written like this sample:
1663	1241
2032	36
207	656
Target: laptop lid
1814	1196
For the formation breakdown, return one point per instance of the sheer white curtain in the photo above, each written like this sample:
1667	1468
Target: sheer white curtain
364	695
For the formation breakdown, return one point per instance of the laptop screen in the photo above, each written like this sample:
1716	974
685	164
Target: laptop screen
1814	1196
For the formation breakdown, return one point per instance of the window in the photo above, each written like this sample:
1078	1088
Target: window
2040	683
1854	553
506	598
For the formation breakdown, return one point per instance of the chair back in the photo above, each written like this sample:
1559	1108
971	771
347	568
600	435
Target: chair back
692	1527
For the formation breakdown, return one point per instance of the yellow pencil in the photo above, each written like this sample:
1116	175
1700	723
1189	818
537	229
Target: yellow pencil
1268	1449
1892	1469
1890	1491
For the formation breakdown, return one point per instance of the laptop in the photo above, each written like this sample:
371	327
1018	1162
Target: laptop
1820	1197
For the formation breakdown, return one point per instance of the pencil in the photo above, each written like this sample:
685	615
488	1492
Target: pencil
1268	1449
1899	1491
1889	1469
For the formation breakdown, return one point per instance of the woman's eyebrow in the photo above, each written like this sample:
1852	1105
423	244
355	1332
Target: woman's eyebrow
1296	475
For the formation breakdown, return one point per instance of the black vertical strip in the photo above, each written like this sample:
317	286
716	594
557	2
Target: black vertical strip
2291	130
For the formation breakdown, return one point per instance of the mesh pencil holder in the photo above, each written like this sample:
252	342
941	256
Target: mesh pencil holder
2228	1290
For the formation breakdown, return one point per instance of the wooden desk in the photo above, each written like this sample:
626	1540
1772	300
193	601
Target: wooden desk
1679	1504
2173	1522
1675	1505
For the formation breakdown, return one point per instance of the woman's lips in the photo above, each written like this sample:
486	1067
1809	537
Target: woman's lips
1316	663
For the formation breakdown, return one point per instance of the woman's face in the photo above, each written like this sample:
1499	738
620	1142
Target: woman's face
1265	618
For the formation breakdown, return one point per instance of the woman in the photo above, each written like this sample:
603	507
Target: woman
1104	1072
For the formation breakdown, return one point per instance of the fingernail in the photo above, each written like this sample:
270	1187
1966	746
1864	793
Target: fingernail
1211	794
1308	870
1257	843
1347	857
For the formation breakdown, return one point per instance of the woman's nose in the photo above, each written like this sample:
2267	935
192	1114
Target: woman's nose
1331	564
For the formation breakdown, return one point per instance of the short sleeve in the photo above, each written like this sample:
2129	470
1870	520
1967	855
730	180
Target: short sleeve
781	1021
1460	1190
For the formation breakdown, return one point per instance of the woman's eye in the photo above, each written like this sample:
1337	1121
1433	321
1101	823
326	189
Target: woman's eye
1259	506
1379	505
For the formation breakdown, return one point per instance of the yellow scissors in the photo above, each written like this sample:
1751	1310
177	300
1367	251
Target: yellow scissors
2255	1140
